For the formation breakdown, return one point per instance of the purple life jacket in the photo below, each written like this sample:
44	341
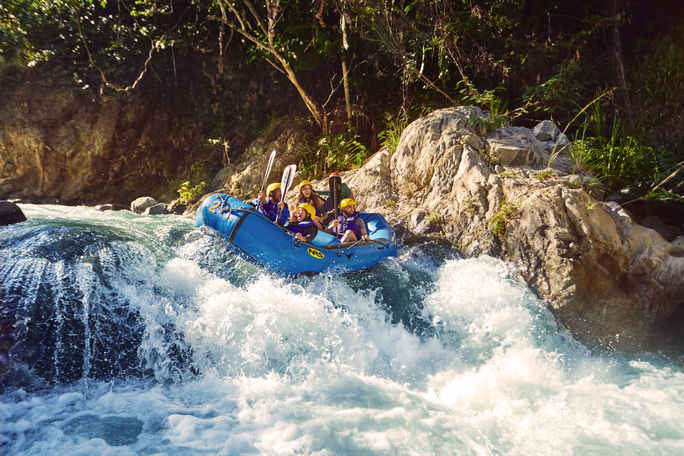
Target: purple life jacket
348	223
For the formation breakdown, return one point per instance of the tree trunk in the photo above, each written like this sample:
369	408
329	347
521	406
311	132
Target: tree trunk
617	8
347	101
316	110
345	44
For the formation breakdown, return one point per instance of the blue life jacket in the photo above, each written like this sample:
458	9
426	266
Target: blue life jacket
348	223
306	228
270	210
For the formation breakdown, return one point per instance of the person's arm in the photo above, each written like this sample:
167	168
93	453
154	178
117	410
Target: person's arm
284	215
362	225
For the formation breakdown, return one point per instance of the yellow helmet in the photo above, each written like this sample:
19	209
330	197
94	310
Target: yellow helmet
303	183
347	202
308	208
272	187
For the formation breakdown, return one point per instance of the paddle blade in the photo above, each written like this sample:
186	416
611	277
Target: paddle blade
271	159
335	187
288	177
285	183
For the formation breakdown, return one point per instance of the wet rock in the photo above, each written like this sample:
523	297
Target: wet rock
175	207
10	213
157	209
110	207
141	204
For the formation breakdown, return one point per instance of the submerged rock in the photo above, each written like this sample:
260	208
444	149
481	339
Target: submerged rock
10	213
110	207
175	207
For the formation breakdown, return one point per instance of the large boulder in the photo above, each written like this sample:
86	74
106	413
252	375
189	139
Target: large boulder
611	281
139	205
10	213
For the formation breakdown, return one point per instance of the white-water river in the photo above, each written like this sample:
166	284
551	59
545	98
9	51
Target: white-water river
124	334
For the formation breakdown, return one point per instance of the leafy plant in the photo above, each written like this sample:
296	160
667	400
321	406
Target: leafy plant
332	153
560	93
189	193
657	83
661	193
615	155
394	127
543	175
490	101
500	218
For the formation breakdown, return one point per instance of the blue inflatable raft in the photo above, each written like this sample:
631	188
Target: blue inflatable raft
254	237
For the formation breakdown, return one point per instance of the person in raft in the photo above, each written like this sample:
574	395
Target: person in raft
301	223
270	203
345	192
308	195
349	227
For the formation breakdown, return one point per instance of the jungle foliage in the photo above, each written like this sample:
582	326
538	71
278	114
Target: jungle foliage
360	70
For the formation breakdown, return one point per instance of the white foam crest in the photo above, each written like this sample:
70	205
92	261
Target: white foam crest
279	325
479	307
268	326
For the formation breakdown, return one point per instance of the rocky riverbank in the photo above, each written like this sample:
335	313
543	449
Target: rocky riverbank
614	283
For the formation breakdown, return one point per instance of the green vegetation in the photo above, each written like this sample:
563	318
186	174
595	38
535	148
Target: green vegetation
332	153
189	194
359	72
500	218
394	127
543	175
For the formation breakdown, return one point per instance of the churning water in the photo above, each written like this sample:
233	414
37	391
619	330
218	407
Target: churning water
124	334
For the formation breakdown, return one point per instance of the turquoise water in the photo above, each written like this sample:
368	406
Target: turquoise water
124	334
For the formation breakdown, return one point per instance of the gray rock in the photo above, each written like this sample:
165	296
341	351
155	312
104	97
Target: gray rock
10	213
546	130
560	146
516	146
141	204
157	209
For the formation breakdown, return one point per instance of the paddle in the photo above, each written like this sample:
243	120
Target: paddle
269	165
335	187
285	183
271	159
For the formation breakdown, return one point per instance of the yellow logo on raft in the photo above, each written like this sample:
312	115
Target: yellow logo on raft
315	253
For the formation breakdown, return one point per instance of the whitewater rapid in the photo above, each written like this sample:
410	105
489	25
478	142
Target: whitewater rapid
125	334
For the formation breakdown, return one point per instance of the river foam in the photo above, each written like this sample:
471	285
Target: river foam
427	354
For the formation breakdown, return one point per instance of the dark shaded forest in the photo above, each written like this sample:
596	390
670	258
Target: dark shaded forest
354	73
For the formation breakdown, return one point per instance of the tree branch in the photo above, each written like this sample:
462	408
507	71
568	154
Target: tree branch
102	73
